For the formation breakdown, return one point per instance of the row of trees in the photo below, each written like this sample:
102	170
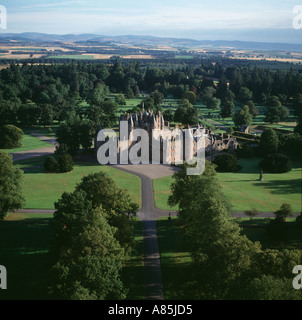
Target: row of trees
227	265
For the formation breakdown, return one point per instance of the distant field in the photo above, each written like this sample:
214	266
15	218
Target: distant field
72	57
245	191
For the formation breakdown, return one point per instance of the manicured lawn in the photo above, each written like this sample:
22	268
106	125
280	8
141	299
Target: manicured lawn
245	191
43	189
29	142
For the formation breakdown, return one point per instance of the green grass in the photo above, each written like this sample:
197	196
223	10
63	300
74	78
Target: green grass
29	142
175	261
133	275
42	189
25	242
245	191
255	230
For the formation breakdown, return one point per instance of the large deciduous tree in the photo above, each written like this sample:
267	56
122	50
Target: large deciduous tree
11	179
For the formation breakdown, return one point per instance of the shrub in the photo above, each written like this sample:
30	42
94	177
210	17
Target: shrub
227	162
10	137
276	163
245	151
66	163
51	164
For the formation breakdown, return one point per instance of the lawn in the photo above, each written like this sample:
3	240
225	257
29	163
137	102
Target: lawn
29	142
245	191
43	189
175	261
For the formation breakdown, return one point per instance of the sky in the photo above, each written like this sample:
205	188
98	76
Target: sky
248	20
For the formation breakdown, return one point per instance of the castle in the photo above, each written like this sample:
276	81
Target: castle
149	121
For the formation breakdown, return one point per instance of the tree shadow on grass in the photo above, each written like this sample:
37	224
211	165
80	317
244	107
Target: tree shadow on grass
293	186
24	249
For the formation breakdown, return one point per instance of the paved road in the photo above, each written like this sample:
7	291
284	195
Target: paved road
149	214
24	155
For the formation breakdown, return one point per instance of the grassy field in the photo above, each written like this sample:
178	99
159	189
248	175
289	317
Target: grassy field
25	243
245	191
43	189
29	142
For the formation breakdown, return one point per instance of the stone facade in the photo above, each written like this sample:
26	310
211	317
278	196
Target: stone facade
148	121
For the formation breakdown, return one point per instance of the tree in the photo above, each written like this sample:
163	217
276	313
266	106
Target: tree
10	137
87	257
244	95
226	162
253	110
269	141
213	103
51	164
103	192
221	255
157	98
11	179
243	117
275	110
29	114
207	93
120	100
284	212
276	163
185	113
268	287
227	107
191	96
66	163
245	150
46	114
168	115
252	213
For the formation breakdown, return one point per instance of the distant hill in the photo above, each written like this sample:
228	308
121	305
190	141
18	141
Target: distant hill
150	41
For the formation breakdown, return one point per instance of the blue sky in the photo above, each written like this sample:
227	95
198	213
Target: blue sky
256	20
